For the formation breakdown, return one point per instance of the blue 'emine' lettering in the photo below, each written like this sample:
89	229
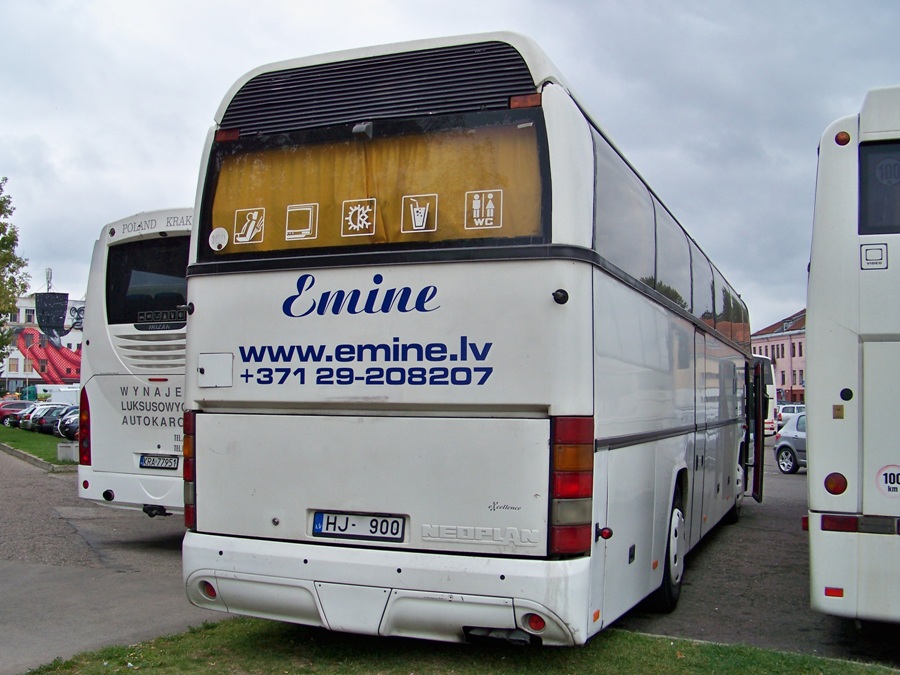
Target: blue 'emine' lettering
376	301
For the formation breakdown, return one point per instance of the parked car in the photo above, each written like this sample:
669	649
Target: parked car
45	421
10	408
790	444
67	427
15	420
27	420
787	411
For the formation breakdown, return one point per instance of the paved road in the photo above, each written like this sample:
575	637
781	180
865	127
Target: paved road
749	584
77	577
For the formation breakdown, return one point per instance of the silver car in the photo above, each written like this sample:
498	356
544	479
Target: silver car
786	412
790	444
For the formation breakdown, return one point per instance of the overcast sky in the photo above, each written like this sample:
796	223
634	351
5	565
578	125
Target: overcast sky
719	104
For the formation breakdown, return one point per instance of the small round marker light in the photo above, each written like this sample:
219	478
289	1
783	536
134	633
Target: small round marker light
835	483
842	138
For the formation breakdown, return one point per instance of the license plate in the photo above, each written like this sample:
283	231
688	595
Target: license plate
158	462
358	526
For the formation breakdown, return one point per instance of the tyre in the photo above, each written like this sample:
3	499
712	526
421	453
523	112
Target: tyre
665	598
786	460
6	422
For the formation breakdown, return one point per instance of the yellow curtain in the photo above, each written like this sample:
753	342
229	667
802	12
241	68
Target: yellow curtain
450	185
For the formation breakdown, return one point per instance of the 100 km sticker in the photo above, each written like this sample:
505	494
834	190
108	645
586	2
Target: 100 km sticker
888	480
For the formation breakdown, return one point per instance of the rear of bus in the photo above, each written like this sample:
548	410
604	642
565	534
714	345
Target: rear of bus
853	333
132	372
389	381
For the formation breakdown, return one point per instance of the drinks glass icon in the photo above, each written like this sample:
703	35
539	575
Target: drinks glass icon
419	214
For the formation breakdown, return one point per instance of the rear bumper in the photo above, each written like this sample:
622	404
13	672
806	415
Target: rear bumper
383	592
131	491
854	574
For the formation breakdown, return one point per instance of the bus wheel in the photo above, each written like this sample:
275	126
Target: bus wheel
666	596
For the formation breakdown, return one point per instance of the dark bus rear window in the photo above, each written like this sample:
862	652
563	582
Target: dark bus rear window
879	188
145	281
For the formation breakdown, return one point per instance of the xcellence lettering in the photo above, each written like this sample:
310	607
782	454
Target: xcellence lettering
376	300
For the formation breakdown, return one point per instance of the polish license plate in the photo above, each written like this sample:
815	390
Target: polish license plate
158	462
363	526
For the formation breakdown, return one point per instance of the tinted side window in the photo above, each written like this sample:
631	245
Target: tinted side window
801	423
623	214
673	259
703	290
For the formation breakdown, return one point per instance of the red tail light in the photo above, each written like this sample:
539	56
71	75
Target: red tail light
571	485
835	523
189	469
84	429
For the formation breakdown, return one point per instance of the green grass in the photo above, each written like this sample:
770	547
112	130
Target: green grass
42	446
250	646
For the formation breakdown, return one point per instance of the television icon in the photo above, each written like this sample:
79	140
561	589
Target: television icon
301	222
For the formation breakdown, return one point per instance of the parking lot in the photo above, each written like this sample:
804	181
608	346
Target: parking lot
76	577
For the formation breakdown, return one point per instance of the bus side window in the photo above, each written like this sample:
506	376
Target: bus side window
623	214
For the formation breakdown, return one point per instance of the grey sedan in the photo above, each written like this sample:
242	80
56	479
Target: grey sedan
790	445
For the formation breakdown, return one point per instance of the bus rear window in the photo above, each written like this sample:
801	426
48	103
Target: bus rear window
431	181
879	188
145	281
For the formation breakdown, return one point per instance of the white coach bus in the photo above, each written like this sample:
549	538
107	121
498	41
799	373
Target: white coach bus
453	370
132	364
853	363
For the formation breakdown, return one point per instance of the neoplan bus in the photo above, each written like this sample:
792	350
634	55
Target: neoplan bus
132	367
853	361
453	370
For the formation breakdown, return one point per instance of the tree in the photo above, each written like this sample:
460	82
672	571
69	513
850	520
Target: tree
13	274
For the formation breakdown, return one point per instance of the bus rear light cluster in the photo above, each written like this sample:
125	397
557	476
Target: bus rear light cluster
571	485
188	469
84	429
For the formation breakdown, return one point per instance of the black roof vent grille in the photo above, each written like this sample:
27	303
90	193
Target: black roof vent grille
446	80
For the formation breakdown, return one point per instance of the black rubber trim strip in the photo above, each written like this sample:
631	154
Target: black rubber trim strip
630	440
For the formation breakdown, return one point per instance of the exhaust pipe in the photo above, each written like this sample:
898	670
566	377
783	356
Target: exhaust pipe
153	510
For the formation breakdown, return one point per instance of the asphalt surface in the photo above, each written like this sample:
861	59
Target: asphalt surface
748	584
76	577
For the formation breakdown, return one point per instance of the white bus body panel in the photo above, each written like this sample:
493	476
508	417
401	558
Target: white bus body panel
281	469
833	328
536	359
473	417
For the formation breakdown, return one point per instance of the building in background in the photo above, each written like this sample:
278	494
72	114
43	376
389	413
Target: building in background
46	345
785	343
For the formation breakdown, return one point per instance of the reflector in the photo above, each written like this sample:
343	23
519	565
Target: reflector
835	483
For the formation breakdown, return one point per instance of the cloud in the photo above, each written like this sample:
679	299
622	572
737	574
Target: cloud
720	106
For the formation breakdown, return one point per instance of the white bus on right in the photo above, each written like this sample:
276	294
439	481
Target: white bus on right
853	362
